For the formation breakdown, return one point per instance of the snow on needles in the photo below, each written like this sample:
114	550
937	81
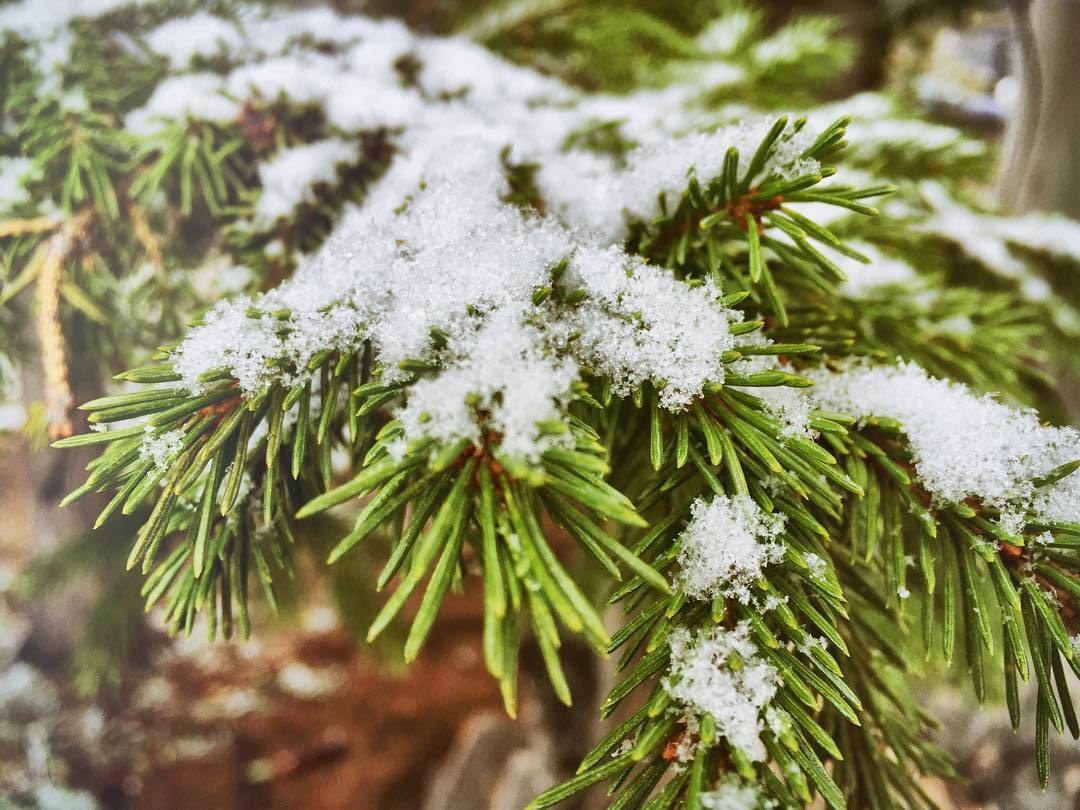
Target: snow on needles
719	673
963	445
290	177
733	794
434	250
725	546
598	198
182	39
641	324
457	260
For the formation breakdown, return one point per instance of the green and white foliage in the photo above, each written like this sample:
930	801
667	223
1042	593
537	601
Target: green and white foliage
494	304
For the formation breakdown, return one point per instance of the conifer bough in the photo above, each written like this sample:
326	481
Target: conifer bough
662	346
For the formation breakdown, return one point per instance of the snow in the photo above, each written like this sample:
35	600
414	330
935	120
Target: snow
433	246
182	39
878	126
874	279
730	31
13	174
639	323
795	41
992	241
162	448
455	258
718	672
816	564
733	794
290	176
790	407
665	166
35	19
198	96
499	369
725	547
963	445
910	134
1052	234
974	233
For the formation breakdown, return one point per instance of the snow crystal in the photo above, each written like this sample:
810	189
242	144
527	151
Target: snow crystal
810	643
816	565
304	682
733	794
789	406
719	673
48	796
290	176
456	66
793	42
974	233
500	380
434	249
304	78
687	746
725	546
963	445
1042	232
161	449
641	323
910	135
991	240
877	125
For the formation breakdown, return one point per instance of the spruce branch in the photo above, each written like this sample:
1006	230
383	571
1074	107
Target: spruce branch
495	305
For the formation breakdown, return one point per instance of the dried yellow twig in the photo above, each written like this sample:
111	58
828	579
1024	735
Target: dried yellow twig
146	236
58	397
22	227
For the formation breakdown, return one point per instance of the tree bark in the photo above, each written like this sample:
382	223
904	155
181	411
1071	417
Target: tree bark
1041	169
58	618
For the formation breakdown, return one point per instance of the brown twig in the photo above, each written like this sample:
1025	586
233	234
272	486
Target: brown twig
58	397
22	227
145	235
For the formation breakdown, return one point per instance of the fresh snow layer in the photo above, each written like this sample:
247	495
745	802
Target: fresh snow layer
583	192
290	177
204	35
458	260
963	445
725	547
719	673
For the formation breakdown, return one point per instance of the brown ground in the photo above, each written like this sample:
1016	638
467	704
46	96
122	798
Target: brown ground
370	743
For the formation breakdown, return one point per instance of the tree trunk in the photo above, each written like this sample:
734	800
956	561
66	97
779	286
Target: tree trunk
1041	169
58	618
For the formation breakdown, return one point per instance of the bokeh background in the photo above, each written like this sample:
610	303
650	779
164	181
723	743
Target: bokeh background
100	708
